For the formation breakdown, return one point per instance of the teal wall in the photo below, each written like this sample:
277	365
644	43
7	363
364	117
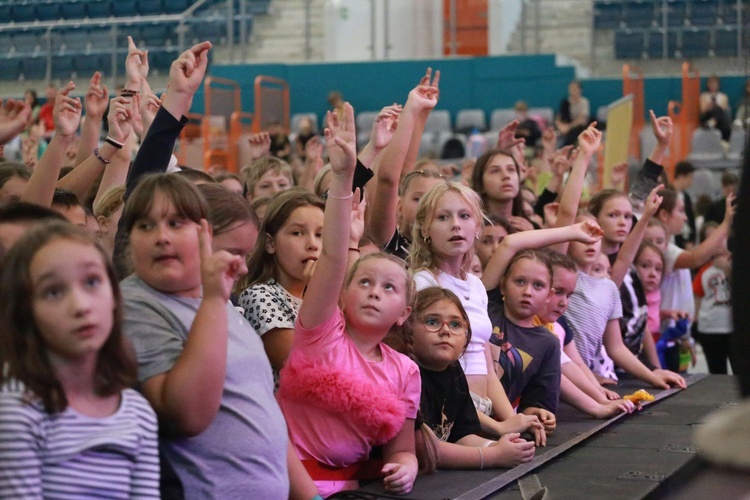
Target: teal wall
486	82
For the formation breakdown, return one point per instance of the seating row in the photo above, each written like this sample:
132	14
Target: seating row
683	43
614	14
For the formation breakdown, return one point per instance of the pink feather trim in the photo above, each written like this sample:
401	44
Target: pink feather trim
351	395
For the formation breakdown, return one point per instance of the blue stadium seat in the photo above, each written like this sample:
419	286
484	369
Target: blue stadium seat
34	68
75	9
9	68
27	41
676	12
124	8
175	6
75	39
99	8
154	35
704	12
86	66
639	14
49	11
5	11
696	43
101	38
725	42
212	29
469	119
728	12
162	59
654	47
23	12
63	66
607	15
150	7
629	44
259	6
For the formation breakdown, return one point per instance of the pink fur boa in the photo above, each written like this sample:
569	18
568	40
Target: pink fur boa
360	399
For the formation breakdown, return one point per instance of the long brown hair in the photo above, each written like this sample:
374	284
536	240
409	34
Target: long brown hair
262	265
22	349
477	179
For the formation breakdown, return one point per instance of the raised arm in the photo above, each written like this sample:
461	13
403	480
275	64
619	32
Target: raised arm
382	215
84	175
95	104
381	134
416	135
630	246
714	244
585	232
67	115
588	143
663	129
321	299
14	118
187	397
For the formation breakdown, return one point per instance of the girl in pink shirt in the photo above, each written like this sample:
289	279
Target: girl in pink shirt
342	390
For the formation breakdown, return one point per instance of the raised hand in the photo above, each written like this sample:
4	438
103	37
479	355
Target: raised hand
15	116
662	128
357	219
619	172
561	161
219	270
507	139
731	208
509	451
120	119
97	97
341	140
146	107
422	98
260	145
653	201
384	126
434	83
550	213
587	231
67	111
589	140
136	64
520	223
188	70
549	139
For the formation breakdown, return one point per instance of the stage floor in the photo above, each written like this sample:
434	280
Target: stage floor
646	454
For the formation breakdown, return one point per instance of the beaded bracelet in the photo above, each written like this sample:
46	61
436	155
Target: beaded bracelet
100	157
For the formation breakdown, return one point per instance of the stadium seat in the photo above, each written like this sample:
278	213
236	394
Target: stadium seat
639	14
155	35
629	44
295	119
469	119
259	6
736	144
705	146
725	42
63	66
23	12
34	68
124	8
704	12
75	9
696	43
655	48
5	11
491	138
500	118
27	41
86	66
49	11
676	13
74	40
175	6
546	114
601	114
365	119
427	145
212	29
162	59
150	7
99	8
101	38
9	68
607	15
439	121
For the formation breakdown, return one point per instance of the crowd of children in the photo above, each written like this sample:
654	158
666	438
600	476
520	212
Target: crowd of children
298	328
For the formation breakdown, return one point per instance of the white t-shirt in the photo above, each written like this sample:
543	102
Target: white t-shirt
676	286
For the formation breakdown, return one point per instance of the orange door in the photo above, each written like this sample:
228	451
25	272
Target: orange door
471	27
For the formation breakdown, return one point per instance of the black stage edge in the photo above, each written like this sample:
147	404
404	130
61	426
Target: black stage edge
626	457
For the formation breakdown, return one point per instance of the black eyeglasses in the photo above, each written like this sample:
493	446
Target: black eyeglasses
434	323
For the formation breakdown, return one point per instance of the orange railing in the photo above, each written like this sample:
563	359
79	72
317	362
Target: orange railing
240	127
271	103
632	83
685	116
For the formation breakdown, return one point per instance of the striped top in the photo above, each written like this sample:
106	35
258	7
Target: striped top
70	455
594	303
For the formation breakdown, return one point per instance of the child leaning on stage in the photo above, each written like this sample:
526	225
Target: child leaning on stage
342	390
69	425
441	332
